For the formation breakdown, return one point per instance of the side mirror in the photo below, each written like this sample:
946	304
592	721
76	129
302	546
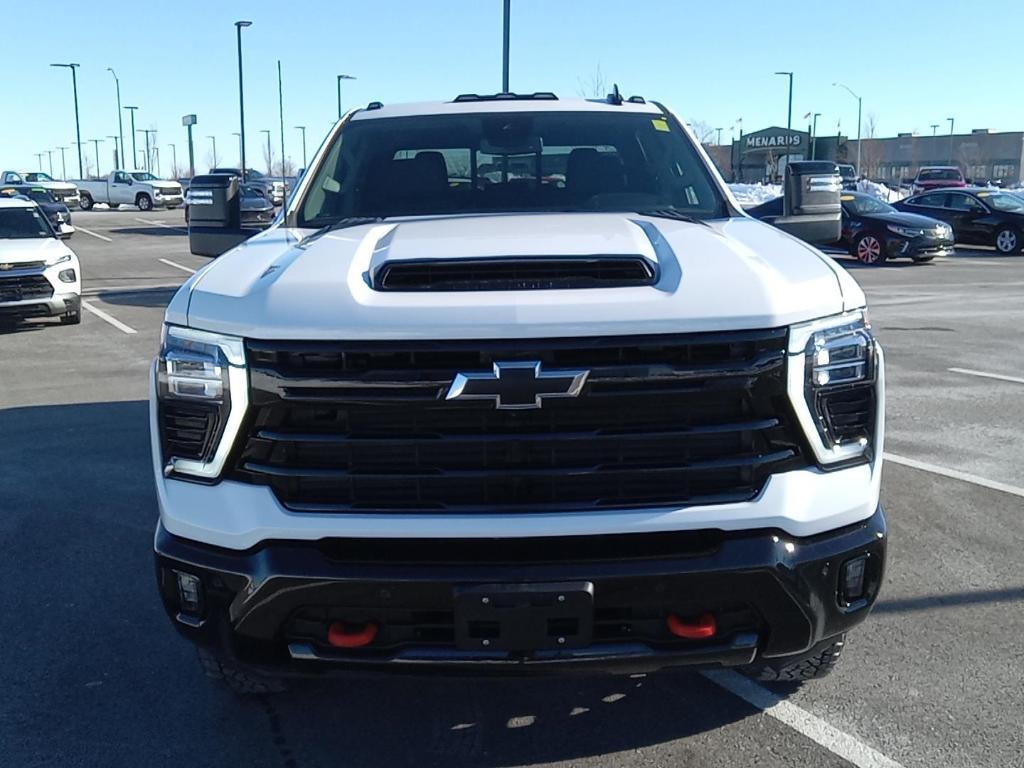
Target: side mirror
129	181
215	215
811	207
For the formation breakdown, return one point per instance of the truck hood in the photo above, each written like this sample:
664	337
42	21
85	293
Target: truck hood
728	274
19	251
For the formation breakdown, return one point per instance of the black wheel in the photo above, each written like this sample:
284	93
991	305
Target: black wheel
237	680
113	206
71	318
144	202
186	214
1008	240
868	249
85	202
817	662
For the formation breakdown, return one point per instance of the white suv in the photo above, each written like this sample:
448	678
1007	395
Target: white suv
39	275
516	384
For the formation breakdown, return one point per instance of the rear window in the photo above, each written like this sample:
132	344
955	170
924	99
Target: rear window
510	162
940	174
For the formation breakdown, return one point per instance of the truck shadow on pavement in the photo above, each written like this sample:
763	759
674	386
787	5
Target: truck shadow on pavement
141	297
153	231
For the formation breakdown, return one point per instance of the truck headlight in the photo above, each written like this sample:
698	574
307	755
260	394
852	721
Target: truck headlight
58	260
202	394
835	386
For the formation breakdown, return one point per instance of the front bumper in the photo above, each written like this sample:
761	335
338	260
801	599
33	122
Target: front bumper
169	201
773	595
917	247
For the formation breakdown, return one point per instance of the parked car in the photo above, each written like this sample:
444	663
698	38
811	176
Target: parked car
849	176
521	424
938	177
873	231
253	178
65	191
978	216
139	188
39	275
56	211
256	210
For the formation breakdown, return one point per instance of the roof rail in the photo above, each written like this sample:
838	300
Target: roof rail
636	100
539	96
374	105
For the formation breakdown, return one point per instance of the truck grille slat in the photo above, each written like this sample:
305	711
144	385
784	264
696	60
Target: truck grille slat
661	421
23	287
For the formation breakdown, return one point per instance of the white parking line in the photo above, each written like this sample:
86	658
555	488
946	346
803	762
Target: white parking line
98	237
183	268
955	474
986	375
800	720
104	316
161	224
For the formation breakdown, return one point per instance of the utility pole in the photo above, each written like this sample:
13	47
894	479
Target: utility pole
303	129
135	151
96	145
39	159
49	156
718	142
504	46
340	78
149	156
789	113
241	98
120	128
950	140
63	165
270	154
814	136
78	132
935	127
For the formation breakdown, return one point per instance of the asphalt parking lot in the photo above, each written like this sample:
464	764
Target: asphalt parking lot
93	674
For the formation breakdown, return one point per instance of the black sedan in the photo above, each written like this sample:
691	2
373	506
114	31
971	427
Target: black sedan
978	215
56	211
873	231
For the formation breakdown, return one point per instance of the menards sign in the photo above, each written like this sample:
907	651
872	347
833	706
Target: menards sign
774	138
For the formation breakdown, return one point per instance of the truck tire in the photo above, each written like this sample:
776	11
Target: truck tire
85	202
73	317
144	202
239	681
113	206
817	662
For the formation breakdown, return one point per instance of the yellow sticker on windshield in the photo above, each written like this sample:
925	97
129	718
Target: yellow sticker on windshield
847	198
984	194
659	124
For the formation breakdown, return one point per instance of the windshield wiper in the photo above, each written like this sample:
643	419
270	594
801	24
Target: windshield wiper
671	213
345	223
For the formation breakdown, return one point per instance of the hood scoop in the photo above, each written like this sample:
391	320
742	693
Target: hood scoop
514	273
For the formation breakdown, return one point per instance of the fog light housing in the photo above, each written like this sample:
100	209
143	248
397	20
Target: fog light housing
67	275
190	593
853	581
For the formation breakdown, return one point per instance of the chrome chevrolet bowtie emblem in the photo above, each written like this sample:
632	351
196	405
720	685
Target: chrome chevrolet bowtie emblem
517	385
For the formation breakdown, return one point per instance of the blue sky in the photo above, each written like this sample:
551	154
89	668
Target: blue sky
914	63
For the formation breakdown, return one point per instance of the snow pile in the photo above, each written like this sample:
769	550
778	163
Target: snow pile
881	191
749	195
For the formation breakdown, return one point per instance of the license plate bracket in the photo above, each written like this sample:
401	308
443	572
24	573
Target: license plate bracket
524	617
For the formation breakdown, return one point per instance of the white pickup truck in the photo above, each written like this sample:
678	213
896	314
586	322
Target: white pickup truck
139	188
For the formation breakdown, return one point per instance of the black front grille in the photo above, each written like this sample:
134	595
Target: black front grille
25	287
661	421
520	274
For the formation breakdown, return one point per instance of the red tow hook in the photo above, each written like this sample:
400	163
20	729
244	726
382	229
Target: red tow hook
700	629
343	635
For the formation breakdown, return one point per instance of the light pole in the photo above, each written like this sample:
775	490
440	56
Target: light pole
188	121
340	78
950	140
814	136
149	158
118	149
238	136
859	109
78	132
303	129
718	142
96	146
174	160
49	157
120	127
506	25
39	159
63	165
270	156
135	152
214	140
241	97
935	127
789	113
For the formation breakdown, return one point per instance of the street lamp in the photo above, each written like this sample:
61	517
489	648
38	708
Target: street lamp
78	132
935	127
238	136
814	136
950	140
120	127
718	142
96	145
241	98
789	114
506	29
214	140
39	159
149	154
270	156
118	152
63	165
303	129
135	152
340	78
49	158
859	109
174	160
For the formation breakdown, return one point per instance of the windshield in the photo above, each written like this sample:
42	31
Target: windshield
863	206
143	176
940	174
23	224
511	162
847	172
1002	201
38	177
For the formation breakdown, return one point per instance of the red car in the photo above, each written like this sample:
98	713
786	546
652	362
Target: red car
938	177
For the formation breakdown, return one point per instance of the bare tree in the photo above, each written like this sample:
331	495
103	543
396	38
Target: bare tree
871	148
287	168
213	159
702	130
594	87
268	158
